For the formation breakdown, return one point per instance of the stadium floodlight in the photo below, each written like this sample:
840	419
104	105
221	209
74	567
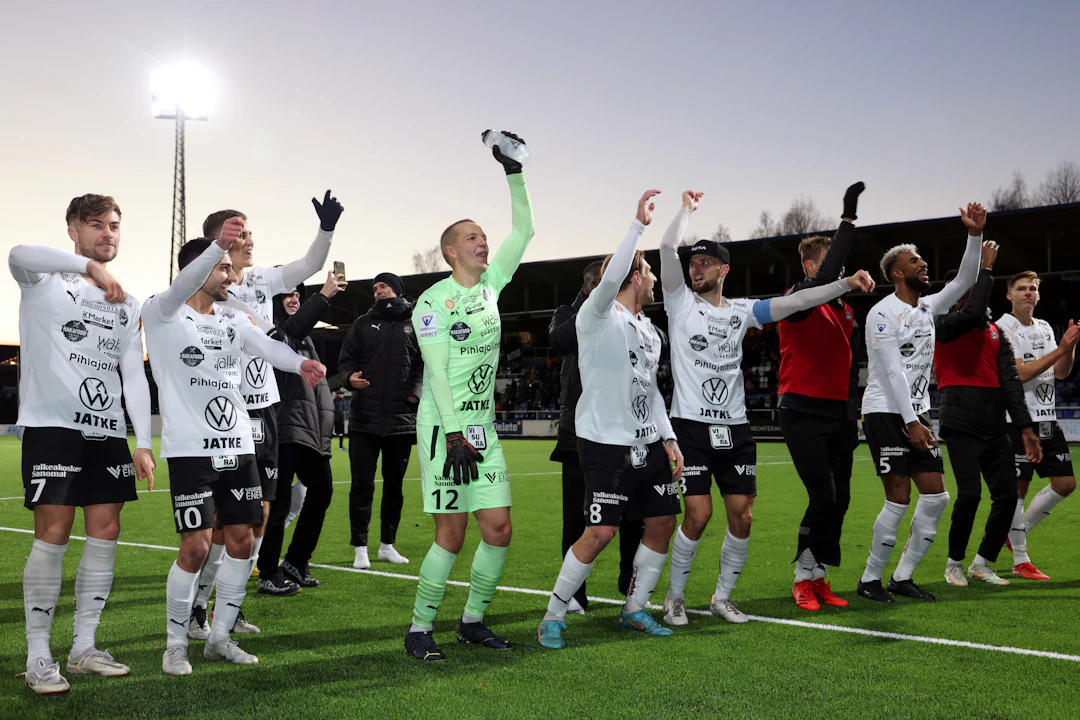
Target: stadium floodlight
183	89
180	92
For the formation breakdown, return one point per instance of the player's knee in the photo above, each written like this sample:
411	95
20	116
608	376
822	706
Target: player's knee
664	526
598	536
498	534
739	523
110	532
1063	485
193	554
695	520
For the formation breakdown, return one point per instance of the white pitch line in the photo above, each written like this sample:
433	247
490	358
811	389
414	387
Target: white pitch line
610	601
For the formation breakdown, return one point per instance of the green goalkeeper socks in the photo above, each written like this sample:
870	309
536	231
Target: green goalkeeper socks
487	568
434	573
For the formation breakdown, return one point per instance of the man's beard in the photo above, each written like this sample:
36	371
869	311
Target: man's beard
706	286
914	283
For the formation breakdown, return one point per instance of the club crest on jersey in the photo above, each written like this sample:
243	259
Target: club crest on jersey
220	414
633	358
124	317
736	322
480	380
94	395
256	372
191	356
407	329
640	407
231	333
486	293
260	297
74	331
698	342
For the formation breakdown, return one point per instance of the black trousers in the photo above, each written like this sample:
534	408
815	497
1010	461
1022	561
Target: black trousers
822	451
993	457
312	469
574	509
363	456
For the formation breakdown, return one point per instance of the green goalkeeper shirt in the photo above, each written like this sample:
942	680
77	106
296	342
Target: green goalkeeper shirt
459	331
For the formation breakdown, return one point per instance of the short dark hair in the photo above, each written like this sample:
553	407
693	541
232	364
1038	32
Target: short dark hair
191	250
87	206
213	223
597	266
951	275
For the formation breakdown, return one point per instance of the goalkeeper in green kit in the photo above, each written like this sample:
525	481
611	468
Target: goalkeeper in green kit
462	467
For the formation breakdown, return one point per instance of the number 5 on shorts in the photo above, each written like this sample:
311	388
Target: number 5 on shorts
886	468
40	482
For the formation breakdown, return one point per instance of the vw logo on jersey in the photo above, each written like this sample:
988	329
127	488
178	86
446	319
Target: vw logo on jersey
94	395
640	408
715	391
1044	393
480	380
918	388
220	414
255	373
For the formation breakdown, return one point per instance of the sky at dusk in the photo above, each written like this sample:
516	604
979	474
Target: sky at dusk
931	104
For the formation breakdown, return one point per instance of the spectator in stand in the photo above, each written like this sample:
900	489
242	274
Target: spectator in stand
380	361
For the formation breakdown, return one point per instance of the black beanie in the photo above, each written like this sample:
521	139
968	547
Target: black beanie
393	281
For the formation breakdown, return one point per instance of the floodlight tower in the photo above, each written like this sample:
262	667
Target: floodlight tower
180	93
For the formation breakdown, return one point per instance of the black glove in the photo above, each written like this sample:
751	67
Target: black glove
329	211
462	457
512	167
851	200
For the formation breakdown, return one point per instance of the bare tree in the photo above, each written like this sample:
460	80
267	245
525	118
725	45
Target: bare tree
802	217
1011	197
428	261
722	234
766	227
1062	185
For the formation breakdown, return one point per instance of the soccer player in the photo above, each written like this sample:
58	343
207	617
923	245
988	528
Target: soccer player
818	404
255	288
896	406
1039	362
977	382
462	468
77	328
708	409
625	440
195	348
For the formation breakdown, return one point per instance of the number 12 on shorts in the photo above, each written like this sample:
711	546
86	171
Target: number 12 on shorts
451	502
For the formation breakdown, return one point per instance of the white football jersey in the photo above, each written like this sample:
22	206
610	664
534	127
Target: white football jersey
71	341
258	385
706	356
1031	342
618	355
196	361
894	323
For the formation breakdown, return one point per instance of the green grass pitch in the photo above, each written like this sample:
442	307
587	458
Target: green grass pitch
336	651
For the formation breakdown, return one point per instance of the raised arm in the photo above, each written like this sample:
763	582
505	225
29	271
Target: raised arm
671	273
508	257
778	308
188	281
970	317
975	220
598	304
296	272
29	264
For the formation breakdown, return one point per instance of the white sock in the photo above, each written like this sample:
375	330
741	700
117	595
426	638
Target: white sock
208	575
299	492
92	585
41	589
980	562
1018	535
1040	506
571	576
820	571
950	563
254	556
924	524
179	596
231	591
648	564
732	560
804	566
683	550
881	547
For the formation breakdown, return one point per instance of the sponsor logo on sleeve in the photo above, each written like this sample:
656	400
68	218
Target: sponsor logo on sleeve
429	325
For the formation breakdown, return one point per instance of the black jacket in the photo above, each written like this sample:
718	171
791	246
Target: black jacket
979	410
562	334
305	414
383	346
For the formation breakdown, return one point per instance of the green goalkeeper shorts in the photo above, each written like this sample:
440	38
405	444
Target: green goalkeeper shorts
441	495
